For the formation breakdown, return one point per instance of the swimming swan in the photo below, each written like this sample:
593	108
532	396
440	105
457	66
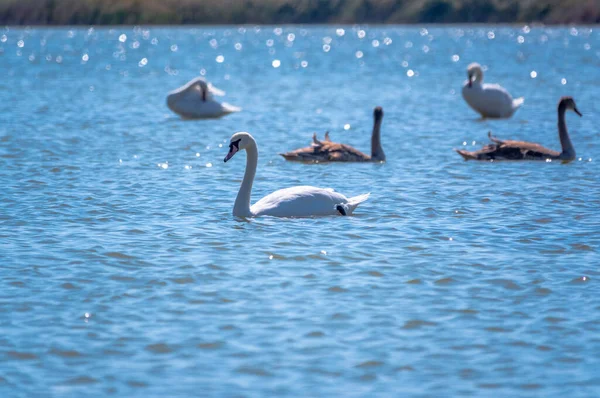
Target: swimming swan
521	150
489	100
195	101
301	201
328	151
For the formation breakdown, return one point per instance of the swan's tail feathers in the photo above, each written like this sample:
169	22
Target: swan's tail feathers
355	201
518	102
466	154
228	108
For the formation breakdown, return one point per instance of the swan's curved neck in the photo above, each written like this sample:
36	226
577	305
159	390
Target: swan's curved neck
203	89
565	141
376	149
241	208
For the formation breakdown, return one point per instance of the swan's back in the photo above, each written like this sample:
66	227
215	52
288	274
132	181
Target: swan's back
511	150
301	201
327	151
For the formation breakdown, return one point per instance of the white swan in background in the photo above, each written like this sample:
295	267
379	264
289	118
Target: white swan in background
489	100
301	201
195	101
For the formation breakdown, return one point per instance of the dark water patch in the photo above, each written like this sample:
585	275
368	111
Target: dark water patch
531	386
446	281
370	364
69	286
253	371
80	381
504	283
65	353
160	348
489	386
542	291
498	329
418	324
337	289
183	280
582	247
119	255
22	356
136	384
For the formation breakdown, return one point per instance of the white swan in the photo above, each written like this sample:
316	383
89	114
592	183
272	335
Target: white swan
301	201
489	100
195	101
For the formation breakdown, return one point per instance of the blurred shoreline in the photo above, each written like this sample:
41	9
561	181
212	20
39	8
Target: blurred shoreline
320	12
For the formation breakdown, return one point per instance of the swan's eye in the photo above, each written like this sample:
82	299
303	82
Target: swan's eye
235	144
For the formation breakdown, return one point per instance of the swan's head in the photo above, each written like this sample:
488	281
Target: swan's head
474	72
378	113
569	103
238	142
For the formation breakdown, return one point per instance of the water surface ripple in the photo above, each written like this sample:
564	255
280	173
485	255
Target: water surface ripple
123	271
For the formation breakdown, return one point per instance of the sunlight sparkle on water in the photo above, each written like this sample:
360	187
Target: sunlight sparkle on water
144	228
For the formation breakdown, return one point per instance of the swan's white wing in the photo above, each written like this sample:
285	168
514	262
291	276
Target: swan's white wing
302	201
490	100
215	91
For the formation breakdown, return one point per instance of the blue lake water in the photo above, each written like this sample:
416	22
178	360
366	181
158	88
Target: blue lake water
124	273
